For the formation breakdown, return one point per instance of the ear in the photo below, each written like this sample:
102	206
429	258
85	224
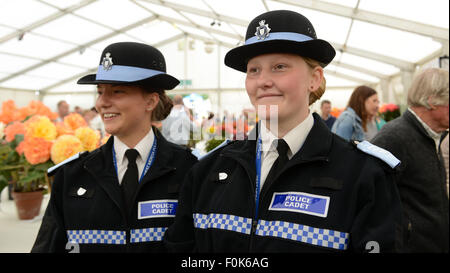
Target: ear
151	101
430	104
316	79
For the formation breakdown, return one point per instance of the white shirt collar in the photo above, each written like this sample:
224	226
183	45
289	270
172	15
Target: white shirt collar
435	136
143	147
294	138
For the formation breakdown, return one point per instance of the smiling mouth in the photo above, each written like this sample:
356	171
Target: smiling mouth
109	116
269	96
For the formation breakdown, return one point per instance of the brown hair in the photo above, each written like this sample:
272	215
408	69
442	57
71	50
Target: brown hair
164	106
317	94
357	102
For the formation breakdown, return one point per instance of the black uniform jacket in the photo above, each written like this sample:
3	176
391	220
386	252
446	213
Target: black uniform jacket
217	201
86	211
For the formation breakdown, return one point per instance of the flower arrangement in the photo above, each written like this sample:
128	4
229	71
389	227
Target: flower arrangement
389	111
336	112
229	129
31	142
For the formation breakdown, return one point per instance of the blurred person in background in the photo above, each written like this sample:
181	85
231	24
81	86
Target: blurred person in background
62	109
325	109
352	124
177	127
415	139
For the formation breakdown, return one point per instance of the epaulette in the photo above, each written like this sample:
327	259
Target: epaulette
377	152
224	143
51	171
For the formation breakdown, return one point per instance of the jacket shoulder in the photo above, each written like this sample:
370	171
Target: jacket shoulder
377	152
75	158
216	150
366	149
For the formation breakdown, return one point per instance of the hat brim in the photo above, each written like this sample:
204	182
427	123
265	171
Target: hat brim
160	81
318	50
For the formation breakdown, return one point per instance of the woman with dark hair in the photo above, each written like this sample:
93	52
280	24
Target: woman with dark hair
122	196
361	110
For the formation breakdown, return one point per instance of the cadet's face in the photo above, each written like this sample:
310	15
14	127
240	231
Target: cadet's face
123	109
283	80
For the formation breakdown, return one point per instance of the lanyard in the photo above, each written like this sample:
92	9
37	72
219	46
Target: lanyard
148	163
258	174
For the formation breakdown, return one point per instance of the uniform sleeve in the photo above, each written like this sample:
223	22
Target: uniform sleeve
51	236
378	214
179	237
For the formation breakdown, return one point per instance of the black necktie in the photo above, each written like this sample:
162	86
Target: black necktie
282	148
130	178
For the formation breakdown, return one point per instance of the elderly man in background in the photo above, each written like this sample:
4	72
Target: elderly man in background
415	138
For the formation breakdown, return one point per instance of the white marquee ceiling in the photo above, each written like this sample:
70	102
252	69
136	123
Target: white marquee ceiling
47	45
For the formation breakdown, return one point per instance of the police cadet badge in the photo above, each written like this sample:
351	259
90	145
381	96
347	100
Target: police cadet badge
107	61
262	31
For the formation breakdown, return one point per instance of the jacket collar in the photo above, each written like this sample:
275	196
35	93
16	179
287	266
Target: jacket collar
100	165
411	119
316	146
351	111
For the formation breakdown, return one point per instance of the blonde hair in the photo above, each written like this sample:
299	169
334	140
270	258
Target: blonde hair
316	94
429	87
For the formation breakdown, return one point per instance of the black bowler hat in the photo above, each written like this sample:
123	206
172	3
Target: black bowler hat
280	31
132	63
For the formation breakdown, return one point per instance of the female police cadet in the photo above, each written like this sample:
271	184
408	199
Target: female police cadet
122	196
321	194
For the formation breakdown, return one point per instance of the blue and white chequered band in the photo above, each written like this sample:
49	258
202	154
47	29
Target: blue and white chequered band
114	237
223	221
286	230
302	233
147	234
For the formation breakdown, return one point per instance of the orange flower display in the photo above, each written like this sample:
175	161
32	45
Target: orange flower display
62	129
36	150
14	129
74	121
41	127
37	108
64	147
89	138
336	112
9	112
104	139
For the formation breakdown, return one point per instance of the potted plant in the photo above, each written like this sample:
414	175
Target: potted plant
31	144
389	111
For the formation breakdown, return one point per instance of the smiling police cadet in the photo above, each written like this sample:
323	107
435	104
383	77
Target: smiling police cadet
122	196
294	187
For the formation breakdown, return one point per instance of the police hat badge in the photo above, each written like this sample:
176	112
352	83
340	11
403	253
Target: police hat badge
262	31
107	61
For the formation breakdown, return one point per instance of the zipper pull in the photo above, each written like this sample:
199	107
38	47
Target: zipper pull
254	226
